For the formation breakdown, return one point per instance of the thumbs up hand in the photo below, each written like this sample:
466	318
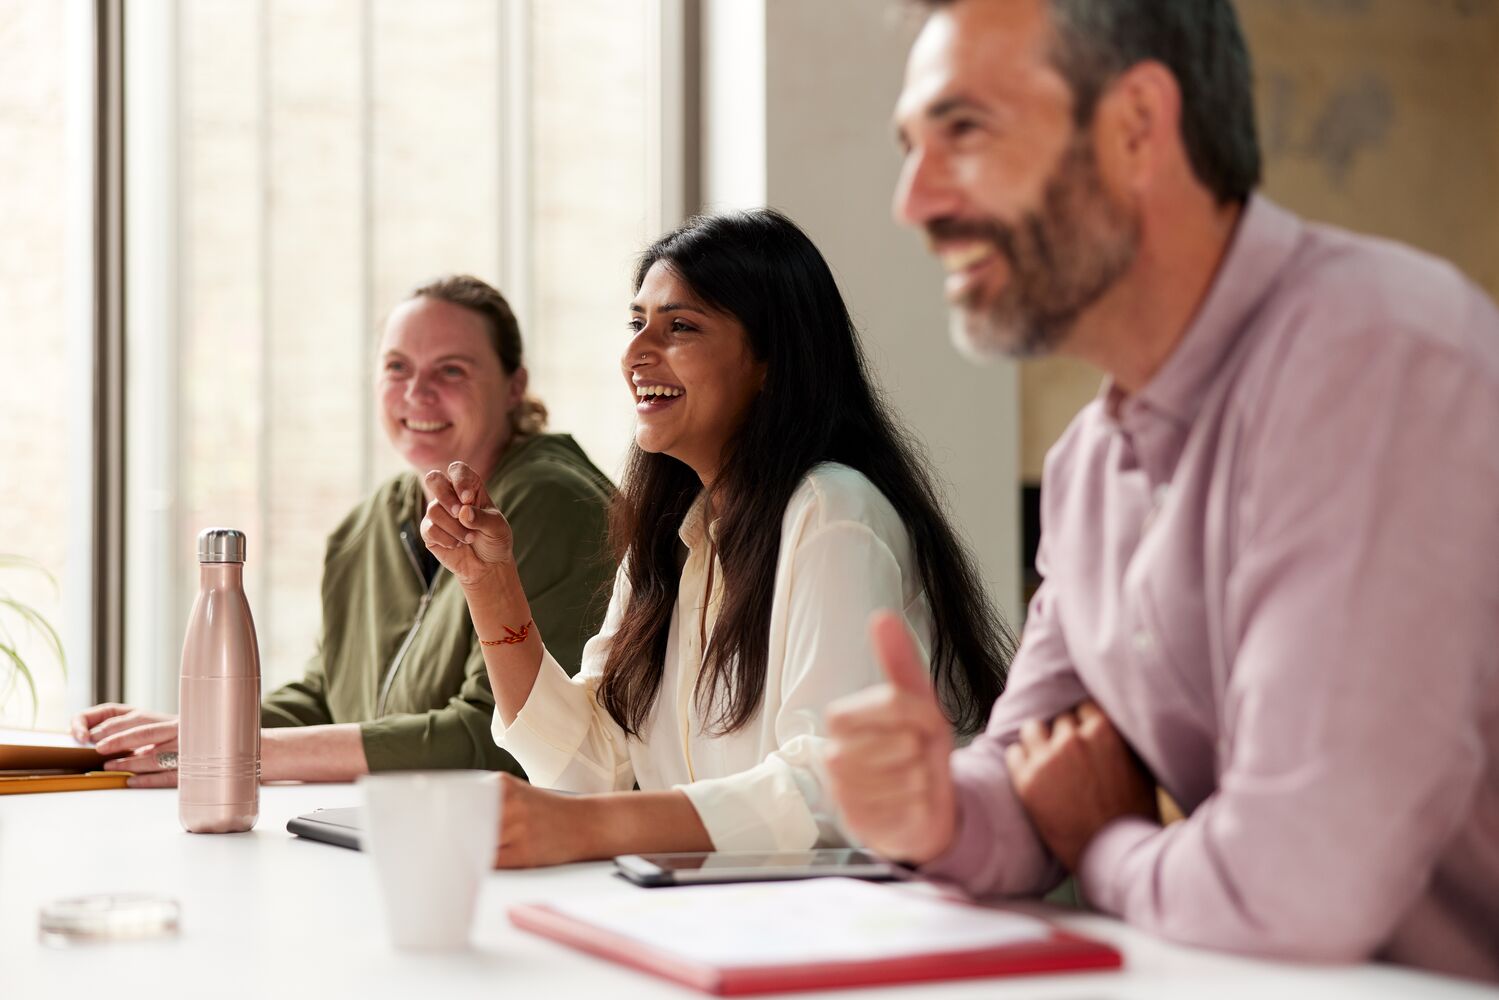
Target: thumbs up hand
887	756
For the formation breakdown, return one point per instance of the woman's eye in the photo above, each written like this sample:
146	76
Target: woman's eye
681	326
635	325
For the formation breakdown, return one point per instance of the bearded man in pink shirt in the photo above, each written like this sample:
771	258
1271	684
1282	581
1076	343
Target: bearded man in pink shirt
1270	545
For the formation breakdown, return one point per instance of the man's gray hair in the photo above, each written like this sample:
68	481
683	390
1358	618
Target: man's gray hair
1200	42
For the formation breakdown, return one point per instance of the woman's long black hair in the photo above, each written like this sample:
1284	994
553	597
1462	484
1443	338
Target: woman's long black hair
817	405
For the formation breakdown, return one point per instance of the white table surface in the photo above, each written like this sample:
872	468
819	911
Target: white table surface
265	914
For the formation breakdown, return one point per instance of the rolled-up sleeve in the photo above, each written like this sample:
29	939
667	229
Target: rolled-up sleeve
1363	609
562	736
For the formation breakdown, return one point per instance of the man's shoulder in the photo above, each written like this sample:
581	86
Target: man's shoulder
1349	290
1342	298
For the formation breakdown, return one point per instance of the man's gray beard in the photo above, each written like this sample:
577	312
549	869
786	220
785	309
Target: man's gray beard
1078	246
983	337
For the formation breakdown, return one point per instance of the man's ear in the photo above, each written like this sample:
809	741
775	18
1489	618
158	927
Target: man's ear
1137	126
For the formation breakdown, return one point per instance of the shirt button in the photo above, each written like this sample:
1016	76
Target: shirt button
1143	641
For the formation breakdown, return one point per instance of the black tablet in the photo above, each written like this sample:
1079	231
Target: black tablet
655	870
331	826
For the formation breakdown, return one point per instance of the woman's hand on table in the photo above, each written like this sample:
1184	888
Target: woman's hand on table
463	528
540	827
134	739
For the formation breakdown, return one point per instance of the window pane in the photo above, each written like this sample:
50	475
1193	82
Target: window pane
590	198
330	156
436	147
45	263
305	164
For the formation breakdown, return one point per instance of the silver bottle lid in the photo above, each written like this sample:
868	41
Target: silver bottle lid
221	545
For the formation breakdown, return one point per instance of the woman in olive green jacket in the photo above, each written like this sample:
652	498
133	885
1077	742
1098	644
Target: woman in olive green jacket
398	680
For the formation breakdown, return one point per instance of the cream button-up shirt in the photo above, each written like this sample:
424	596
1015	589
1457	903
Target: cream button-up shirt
844	554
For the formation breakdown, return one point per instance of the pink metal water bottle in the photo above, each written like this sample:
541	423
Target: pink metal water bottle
218	740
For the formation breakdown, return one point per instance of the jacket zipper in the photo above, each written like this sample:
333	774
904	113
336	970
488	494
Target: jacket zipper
416	624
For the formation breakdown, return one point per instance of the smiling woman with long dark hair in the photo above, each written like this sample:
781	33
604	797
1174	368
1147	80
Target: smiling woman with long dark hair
771	504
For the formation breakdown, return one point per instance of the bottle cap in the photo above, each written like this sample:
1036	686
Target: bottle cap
221	545
109	917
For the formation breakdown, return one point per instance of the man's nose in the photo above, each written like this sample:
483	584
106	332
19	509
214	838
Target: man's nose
925	190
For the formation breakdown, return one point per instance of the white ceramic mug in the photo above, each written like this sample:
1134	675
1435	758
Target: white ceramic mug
432	836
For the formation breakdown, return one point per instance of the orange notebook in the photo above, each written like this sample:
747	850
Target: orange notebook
36	760
12	784
733	940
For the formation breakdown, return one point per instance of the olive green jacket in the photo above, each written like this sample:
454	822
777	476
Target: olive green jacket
401	658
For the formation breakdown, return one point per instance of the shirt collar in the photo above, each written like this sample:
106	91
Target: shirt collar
1261	245
694	529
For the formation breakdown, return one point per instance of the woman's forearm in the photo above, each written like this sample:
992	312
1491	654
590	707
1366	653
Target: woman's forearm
641	823
313	753
500	611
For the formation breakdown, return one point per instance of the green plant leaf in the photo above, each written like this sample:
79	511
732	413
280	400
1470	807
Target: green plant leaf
25	674
11	658
22	562
33	618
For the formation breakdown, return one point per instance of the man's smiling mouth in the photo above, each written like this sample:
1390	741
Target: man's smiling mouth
969	264
961	258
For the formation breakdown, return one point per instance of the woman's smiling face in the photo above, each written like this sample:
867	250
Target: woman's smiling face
691	371
443	394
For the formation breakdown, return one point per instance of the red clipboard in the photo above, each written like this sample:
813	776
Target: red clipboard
1061	951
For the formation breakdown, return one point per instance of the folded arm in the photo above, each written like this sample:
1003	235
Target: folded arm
995	849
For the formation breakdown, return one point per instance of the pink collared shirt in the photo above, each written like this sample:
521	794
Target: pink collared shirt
1276	569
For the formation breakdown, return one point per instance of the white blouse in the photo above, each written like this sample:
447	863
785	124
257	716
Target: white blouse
844	554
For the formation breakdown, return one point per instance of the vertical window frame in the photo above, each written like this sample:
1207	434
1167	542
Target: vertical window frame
108	315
